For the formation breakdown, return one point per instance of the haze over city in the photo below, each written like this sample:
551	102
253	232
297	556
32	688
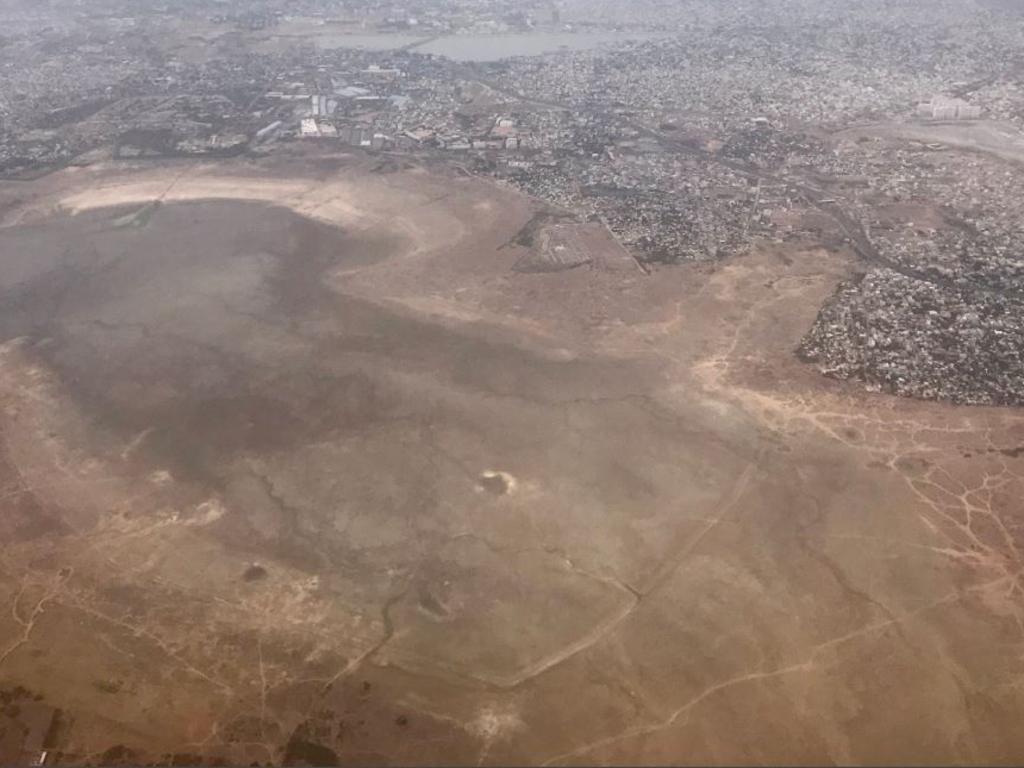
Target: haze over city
533	382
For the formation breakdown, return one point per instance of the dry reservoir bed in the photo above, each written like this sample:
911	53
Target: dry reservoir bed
297	467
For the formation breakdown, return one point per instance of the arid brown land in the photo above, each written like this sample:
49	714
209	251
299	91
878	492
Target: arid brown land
295	466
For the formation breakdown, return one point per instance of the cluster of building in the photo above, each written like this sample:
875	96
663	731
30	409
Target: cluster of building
686	146
944	108
940	311
919	338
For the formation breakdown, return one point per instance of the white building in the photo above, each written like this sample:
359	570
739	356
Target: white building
268	131
308	128
944	108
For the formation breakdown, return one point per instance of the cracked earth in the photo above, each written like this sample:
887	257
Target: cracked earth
296	467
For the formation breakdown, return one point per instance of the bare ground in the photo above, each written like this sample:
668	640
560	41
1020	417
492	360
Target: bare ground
296	466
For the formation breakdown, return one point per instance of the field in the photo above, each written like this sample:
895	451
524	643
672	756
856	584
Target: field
296	466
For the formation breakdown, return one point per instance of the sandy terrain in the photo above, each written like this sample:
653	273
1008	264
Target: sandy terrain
295	466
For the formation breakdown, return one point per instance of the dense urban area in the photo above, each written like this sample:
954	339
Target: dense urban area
687	145
874	147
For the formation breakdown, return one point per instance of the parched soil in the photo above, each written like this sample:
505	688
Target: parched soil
297	467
